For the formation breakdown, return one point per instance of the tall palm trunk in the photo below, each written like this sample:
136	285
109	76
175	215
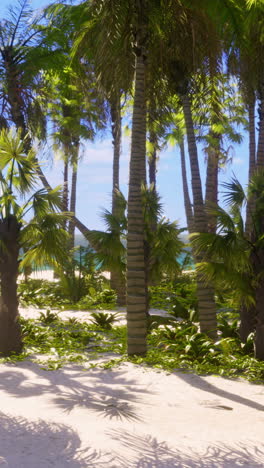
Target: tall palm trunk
260	149
211	189
248	312
117	281
186	196
116	134
205	292
136	293
252	159
152	160
10	331
73	203
65	193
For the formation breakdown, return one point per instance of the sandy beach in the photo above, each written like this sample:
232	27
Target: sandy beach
130	416
127	417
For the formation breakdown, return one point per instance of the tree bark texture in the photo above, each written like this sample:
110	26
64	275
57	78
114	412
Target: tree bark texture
10	330
205	292
73	204
252	161
260	148
186	196
211	191
152	160
117	282
136	279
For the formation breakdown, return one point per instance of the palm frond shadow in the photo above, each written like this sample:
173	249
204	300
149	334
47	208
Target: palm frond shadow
112	395
45	444
152	453
107	407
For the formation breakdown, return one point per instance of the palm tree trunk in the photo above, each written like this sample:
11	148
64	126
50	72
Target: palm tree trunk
252	159
136	292
205	292
65	193
186	197
10	331
211	190
73	204
152	160
260	150
116	134
117	282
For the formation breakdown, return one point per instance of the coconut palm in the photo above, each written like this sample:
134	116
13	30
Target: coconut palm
42	237
234	261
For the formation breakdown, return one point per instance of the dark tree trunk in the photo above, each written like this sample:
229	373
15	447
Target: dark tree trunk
116	134
252	160
247	321
152	160
260	149
205	292
10	331
257	261
211	190
186	196
65	193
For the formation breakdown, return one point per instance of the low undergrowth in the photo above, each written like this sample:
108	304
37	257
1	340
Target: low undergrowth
178	346
42	294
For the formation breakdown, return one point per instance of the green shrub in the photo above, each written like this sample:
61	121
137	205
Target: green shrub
104	320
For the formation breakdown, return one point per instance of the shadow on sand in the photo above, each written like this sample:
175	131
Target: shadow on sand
31	444
150	453
111	394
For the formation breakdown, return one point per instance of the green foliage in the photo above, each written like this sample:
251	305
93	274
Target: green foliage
104	320
178	297
48	317
42	294
162	238
174	346
228	324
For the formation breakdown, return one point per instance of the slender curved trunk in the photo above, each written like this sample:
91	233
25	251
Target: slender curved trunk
10	330
117	282
260	149
152	160
211	189
19	121
252	159
73	203
65	193
186	196
136	293
116	134
205	292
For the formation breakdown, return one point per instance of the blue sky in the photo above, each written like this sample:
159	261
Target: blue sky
95	171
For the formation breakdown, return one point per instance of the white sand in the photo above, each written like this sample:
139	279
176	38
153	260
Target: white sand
129	416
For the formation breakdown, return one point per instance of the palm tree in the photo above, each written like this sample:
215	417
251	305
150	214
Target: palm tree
164	243
233	261
42	236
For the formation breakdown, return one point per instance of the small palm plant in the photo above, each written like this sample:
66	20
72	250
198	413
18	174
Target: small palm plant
162	241
41	237
235	261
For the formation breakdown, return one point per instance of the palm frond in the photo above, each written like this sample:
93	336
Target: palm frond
234	194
